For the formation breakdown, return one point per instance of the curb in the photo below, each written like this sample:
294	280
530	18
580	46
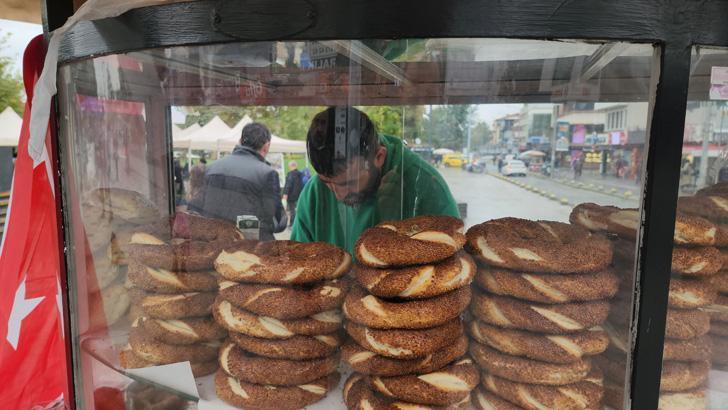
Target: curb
537	191
611	191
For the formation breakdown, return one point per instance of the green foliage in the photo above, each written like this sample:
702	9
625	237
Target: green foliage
446	126
290	122
11	85
480	136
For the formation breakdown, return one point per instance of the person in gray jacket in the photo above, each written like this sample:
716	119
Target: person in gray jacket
243	183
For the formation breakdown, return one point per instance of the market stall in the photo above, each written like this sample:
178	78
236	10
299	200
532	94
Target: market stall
387	298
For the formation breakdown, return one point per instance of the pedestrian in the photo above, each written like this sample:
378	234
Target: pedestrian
500	164
305	175
363	178
244	184
197	179
292	190
179	185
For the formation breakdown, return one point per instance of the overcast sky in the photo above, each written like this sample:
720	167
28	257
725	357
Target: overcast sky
20	36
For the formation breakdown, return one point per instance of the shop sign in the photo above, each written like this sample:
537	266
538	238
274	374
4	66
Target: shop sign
562	144
562	129
317	56
617	138
719	83
578	134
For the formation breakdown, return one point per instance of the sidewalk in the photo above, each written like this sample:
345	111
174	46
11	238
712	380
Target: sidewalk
593	181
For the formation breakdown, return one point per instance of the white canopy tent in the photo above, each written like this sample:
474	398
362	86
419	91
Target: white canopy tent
228	141
181	136
10	125
206	137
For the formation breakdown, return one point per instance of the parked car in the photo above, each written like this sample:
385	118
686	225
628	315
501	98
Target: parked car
453	160
514	167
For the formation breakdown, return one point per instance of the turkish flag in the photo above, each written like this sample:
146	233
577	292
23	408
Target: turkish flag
33	367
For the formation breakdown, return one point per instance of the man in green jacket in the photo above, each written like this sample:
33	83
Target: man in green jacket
363	179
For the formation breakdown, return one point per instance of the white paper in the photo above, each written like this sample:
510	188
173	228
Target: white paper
176	376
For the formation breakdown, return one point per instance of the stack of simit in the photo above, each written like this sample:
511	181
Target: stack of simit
280	302
687	348
173	287
543	292
109	217
403	316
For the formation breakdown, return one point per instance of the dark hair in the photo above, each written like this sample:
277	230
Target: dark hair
255	135
331	143
203	160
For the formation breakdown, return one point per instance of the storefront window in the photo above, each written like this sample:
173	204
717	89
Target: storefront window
177	161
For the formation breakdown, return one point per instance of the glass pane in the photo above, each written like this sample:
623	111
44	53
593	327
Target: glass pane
336	223
697	352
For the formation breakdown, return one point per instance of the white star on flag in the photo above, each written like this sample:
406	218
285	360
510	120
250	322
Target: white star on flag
21	309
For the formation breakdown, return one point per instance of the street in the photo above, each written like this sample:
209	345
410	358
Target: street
489	197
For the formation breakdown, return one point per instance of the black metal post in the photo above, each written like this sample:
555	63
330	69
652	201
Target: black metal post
658	216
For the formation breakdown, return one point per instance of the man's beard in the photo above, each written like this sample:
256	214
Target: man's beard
357	198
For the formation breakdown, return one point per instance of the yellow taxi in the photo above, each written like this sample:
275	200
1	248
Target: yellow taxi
453	160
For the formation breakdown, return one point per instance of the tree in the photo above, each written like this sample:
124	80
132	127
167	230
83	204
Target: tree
480	136
11	85
290	122
446	126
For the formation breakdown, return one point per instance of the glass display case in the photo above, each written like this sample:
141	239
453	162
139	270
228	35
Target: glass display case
445	218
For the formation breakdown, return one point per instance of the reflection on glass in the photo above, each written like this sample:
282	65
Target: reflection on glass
694	353
445	198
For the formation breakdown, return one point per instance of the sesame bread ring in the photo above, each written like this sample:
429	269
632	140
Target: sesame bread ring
539	246
485	400
115	301
264	370
164	281
129	360
679	376
691	350
696	261
183	331
152	350
686	323
512	313
693	399
276	301
296	347
548	348
282	262
257	396
239	320
719	281
689	230
446	386
584	394
711	207
549	288
690	293
184	305
106	271
405	344
359	395
121	203
522	370
720	350
417	282
719	328
377	313
414	241
366	362
718	311
190	245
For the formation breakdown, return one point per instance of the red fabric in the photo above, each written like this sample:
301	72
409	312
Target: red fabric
33	368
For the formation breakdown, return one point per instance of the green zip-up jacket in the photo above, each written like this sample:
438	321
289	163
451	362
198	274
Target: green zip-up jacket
410	187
